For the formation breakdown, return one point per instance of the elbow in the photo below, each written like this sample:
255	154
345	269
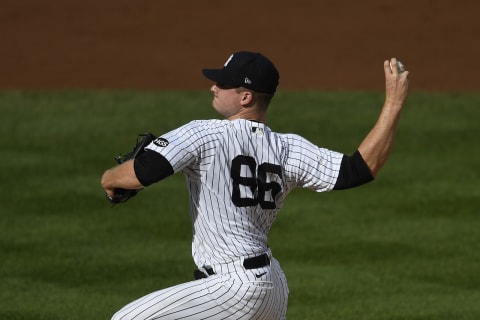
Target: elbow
375	166
373	161
374	169
105	180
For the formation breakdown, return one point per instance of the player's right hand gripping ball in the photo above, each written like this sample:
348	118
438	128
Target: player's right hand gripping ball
400	66
123	195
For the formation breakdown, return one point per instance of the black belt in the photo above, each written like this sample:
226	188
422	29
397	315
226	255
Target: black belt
260	261
256	262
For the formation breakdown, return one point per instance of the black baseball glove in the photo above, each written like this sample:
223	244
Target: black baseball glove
121	195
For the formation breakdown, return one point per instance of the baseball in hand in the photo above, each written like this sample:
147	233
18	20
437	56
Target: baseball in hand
400	66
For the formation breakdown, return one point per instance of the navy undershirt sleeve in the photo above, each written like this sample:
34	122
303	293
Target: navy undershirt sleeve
353	172
151	167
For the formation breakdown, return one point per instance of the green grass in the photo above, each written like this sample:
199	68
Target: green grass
403	247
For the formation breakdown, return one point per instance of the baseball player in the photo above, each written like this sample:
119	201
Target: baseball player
239	173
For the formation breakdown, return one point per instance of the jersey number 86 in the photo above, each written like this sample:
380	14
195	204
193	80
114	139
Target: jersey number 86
256	180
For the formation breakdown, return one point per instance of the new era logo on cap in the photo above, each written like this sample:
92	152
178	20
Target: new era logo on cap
246	69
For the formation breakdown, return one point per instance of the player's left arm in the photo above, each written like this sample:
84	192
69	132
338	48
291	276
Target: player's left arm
373	152
377	145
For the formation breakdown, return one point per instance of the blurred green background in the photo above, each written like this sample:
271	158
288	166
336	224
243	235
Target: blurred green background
403	247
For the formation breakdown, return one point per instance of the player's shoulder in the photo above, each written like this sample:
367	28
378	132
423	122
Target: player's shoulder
209	125
295	143
292	138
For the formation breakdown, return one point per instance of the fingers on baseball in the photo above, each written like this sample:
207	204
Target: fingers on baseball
395	67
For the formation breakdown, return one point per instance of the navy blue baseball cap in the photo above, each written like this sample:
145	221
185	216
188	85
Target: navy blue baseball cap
246	69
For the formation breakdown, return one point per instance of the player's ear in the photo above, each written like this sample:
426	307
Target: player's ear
247	99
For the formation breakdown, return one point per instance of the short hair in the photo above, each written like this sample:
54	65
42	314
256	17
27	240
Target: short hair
262	100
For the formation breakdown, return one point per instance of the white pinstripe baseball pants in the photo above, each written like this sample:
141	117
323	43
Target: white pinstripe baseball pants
232	293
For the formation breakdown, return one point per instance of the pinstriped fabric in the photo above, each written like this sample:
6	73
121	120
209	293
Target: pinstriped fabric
204	150
233	293
238	175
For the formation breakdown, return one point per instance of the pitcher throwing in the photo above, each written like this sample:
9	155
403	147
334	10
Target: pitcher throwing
239	173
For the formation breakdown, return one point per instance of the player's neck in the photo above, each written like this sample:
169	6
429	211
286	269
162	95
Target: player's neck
252	114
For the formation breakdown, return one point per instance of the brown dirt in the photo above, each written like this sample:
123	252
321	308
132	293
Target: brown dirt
147	44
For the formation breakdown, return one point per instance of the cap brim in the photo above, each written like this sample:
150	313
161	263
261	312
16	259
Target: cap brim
216	75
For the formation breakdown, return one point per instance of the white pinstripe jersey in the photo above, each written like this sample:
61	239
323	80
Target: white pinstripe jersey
238	175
